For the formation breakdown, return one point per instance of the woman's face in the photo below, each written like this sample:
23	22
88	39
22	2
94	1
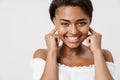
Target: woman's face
72	25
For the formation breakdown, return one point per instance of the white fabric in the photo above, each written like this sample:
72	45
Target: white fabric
71	73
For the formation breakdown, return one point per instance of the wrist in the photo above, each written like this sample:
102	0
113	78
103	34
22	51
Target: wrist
97	51
52	53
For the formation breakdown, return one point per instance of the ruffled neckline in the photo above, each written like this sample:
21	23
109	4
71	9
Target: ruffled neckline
75	67
70	67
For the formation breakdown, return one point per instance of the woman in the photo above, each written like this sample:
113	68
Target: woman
72	60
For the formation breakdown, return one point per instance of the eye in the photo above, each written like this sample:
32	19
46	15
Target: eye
65	24
81	23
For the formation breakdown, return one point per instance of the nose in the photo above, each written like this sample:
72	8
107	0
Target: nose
74	29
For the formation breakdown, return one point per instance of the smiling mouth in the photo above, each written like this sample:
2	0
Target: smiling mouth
72	39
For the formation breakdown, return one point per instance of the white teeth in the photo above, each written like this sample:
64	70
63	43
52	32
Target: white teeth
72	38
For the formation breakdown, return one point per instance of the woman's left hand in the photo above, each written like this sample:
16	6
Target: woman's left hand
94	40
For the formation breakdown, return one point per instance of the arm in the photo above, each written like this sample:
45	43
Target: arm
50	71
101	70
50	68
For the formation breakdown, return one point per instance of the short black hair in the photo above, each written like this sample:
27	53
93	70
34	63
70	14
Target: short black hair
86	5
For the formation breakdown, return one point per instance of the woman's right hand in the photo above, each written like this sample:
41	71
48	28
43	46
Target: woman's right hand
52	40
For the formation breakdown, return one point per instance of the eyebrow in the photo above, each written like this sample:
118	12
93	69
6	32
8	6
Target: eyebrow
82	19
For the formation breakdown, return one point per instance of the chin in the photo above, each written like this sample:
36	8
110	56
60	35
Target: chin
73	45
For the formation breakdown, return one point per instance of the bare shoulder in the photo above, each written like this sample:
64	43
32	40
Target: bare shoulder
107	55
40	53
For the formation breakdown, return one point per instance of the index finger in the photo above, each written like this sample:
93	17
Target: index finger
92	31
53	31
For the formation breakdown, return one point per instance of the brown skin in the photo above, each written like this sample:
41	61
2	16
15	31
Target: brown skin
72	16
85	59
72	25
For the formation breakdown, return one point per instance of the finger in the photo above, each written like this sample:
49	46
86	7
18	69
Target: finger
88	35
57	39
53	31
92	31
88	42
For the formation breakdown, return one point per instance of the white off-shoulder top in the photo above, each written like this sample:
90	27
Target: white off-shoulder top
71	73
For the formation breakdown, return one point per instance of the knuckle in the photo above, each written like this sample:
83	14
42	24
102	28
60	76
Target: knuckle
47	35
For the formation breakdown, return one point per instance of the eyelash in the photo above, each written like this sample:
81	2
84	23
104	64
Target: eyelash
65	24
82	23
79	24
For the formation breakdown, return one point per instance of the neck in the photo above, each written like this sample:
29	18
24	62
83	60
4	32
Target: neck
65	51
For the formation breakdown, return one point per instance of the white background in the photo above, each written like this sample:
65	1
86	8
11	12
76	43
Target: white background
23	24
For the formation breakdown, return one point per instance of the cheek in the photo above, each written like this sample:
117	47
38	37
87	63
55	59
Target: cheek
60	30
85	30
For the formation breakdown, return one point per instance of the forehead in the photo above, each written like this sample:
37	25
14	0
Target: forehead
70	12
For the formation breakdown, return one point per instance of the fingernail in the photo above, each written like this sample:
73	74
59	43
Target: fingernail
89	46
